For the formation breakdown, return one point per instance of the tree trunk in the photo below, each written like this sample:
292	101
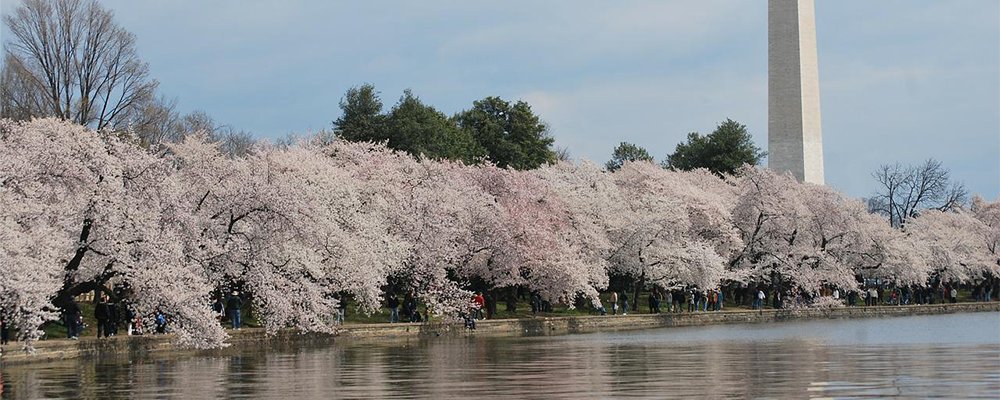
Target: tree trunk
638	289
511	299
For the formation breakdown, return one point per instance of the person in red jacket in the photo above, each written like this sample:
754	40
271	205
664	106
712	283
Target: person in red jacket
479	302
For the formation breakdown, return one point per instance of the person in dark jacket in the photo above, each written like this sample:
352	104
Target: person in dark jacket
235	305
412	313
624	298
114	317
651	299
218	309
4	329
393	303
71	318
102	313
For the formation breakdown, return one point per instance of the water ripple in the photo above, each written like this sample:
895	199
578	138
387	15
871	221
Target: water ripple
952	356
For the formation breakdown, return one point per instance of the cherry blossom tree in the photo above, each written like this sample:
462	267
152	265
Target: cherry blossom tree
594	206
675	233
989	214
288	227
434	209
953	243
32	243
88	211
529	247
807	236
292	225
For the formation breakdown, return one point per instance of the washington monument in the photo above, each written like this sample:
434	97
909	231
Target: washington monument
794	137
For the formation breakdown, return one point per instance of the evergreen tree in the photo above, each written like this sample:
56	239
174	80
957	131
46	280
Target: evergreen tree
723	151
421	130
511	134
361	119
627	152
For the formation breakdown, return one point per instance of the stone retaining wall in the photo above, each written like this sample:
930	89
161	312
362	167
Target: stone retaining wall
140	346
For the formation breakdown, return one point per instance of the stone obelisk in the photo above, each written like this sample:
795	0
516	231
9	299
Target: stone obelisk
794	137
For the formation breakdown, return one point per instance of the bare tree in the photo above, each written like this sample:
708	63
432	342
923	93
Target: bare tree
69	59
199	121
563	154
18	98
904	191
323	138
233	142
155	121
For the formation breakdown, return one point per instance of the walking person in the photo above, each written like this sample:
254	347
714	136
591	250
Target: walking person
129	319
114	316
219	309
759	301
102	313
479	302
4	329
137	328
954	294
161	322
235	305
624	303
71	318
415	313
614	303
691	299
409	307
342	309
393	303
338	316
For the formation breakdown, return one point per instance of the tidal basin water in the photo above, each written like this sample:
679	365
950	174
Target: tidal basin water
943	356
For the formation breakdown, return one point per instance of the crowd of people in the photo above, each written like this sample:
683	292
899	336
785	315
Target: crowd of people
672	301
405	311
759	297
112	317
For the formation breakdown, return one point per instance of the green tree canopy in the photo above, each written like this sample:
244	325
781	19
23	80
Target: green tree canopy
511	134
722	151
627	152
361	116
420	129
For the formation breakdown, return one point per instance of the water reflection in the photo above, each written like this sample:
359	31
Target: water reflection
953	356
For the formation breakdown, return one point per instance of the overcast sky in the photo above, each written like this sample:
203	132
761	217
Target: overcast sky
901	80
